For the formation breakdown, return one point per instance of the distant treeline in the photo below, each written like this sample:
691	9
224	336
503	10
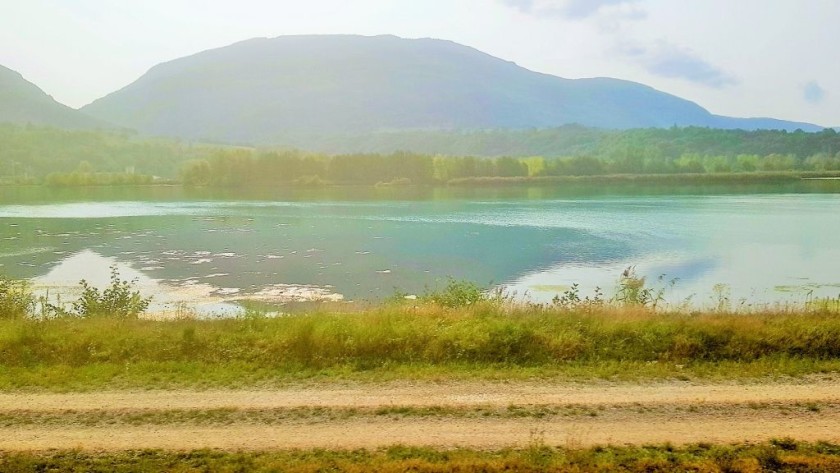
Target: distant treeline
576	140
241	167
65	158
79	178
29	154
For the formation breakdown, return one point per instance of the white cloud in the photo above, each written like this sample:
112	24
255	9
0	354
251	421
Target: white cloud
812	92
666	60
572	9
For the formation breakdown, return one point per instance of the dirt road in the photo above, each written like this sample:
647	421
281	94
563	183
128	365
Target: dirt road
468	414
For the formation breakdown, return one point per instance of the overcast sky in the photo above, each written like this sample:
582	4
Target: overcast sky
776	58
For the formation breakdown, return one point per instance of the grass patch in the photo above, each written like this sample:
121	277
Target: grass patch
485	341
783	455
272	416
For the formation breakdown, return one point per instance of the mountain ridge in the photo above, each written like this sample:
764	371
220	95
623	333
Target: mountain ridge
22	101
266	90
257	90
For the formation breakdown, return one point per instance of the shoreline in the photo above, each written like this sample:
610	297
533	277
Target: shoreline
728	178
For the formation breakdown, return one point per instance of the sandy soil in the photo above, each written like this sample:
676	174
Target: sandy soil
619	414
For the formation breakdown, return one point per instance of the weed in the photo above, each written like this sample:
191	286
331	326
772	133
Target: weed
16	300
786	443
722	295
768	458
725	459
633	290
571	300
538	454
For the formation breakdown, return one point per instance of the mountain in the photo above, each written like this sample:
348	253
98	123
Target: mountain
262	90
23	102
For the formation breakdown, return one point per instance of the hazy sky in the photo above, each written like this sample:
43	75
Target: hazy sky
773	58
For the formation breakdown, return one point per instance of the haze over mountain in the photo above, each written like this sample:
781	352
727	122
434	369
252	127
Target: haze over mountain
23	102
262	90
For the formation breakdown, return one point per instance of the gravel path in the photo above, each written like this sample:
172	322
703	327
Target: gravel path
675	412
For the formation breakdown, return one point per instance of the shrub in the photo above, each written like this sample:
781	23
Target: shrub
571	300
457	294
119	299
15	299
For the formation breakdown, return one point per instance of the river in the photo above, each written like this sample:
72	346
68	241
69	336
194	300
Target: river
702	246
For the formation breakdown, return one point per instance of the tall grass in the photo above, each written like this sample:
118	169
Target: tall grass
777	455
16	301
405	337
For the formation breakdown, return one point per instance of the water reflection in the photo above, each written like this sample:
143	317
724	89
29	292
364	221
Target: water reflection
192	296
197	247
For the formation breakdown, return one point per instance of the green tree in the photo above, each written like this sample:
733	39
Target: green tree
196	172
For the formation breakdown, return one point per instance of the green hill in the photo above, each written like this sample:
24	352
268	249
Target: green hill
302	88
22	102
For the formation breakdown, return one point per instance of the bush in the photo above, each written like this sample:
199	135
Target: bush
120	299
570	299
15	299
457	294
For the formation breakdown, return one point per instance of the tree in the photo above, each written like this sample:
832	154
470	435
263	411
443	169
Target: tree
196	172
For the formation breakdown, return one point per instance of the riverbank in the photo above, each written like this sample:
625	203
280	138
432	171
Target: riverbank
480	386
401	185
481	341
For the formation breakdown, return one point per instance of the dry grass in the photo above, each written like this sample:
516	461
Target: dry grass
782	455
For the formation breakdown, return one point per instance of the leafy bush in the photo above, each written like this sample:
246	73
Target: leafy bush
456	294
120	299
15	299
570	299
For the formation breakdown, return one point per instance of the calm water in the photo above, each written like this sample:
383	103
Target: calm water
763	245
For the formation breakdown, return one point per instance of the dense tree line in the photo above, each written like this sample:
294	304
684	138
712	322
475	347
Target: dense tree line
575	140
66	158
240	167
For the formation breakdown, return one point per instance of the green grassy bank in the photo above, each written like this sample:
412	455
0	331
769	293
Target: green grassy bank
777	456
484	340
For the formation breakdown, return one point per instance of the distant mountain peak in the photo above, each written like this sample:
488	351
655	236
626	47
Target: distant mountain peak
262	89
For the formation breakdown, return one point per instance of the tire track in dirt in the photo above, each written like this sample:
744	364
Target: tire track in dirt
620	414
444	433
